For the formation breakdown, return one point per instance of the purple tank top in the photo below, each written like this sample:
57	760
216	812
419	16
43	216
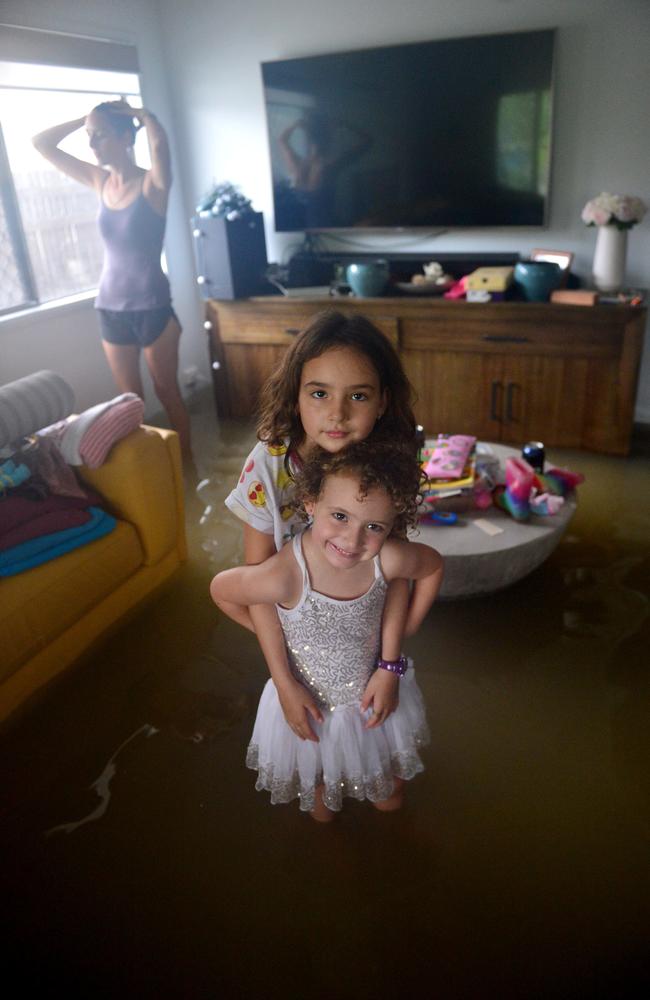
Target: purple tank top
132	278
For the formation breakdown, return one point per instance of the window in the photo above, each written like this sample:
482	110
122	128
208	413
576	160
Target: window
49	242
523	131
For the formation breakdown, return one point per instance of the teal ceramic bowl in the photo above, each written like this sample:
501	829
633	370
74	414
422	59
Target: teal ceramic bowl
537	278
368	279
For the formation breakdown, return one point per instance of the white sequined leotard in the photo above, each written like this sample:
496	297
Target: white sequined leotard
332	647
333	644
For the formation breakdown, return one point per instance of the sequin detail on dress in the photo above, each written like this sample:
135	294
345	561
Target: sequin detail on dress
332	647
332	644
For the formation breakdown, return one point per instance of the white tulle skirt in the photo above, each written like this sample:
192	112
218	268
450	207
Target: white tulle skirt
348	761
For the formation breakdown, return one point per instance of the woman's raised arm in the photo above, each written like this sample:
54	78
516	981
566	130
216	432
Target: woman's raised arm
161	163
47	144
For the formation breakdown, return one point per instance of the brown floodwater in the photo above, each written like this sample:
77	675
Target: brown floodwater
138	860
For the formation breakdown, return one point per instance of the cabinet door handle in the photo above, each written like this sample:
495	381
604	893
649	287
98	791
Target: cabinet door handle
510	392
496	389
504	338
292	330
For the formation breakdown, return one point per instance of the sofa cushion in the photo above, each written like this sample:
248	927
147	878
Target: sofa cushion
38	605
138	485
32	402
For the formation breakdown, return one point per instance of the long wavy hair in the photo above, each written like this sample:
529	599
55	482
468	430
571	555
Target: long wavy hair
278	418
379	465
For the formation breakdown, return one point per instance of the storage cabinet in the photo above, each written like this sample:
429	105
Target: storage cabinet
508	371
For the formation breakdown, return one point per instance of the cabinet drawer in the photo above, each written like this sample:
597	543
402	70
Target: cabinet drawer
512	337
279	326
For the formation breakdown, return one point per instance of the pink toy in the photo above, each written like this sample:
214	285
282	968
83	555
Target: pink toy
558	481
458	290
449	455
514	497
528	492
545	503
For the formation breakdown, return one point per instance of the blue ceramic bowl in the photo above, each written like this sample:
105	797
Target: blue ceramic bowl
368	279
537	278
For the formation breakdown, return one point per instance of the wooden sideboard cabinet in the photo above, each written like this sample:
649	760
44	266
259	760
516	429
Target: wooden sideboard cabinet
503	371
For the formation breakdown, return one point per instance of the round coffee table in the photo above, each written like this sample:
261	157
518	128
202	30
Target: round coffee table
479	563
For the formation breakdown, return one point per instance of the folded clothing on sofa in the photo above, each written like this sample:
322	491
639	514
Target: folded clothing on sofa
38	550
87	438
22	517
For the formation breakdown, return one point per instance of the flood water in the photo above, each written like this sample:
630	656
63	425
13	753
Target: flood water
138	860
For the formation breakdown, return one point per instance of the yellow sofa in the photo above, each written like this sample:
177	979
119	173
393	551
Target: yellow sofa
51	614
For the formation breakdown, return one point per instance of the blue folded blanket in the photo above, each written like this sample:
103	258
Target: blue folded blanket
39	550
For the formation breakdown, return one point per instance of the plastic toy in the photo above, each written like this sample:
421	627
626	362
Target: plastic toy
443	517
528	492
515	496
558	481
545	503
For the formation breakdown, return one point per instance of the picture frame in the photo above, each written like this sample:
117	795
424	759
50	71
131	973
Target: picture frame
562	257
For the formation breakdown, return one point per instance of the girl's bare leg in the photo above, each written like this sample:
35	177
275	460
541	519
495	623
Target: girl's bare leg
396	800
320	812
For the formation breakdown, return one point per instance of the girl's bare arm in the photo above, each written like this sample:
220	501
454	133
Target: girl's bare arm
263	620
420	563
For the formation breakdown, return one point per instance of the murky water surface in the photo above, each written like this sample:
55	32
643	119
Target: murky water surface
138	860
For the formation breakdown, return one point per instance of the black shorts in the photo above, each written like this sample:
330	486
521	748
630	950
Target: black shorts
134	327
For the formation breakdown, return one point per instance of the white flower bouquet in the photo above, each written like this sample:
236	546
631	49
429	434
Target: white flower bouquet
620	210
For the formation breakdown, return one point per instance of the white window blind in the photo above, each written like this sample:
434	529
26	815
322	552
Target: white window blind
31	45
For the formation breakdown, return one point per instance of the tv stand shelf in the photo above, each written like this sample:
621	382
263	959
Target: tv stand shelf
502	371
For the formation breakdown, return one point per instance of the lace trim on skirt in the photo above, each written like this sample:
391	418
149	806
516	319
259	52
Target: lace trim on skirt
404	764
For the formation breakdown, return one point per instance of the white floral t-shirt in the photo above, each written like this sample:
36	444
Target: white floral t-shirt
263	495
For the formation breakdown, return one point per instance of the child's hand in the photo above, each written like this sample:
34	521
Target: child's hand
297	705
382	691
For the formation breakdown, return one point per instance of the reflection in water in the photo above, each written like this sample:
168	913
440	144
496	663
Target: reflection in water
102	786
602	605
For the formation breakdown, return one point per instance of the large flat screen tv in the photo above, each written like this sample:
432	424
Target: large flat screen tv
445	133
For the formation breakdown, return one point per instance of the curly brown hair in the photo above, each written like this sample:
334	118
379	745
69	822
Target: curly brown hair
278	418
378	465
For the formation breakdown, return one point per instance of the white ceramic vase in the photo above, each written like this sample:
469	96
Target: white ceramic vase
609	258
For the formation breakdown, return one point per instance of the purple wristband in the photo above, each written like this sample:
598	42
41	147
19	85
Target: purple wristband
394	666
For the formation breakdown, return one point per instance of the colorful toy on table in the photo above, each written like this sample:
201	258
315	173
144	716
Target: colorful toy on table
528	492
545	504
442	517
558	482
514	497
455	455
449	455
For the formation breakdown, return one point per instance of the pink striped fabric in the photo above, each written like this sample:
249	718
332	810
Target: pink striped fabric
112	425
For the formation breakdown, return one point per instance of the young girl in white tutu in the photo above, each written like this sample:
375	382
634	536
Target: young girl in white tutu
346	717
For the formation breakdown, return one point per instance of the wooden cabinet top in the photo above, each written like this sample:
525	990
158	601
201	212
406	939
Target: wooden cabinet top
437	306
419	322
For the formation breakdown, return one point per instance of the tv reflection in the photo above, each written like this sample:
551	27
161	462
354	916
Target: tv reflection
307	198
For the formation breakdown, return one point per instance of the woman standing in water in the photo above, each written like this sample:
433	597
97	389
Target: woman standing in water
134	300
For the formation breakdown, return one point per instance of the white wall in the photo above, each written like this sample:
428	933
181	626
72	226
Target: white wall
67	339
200	62
214	50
